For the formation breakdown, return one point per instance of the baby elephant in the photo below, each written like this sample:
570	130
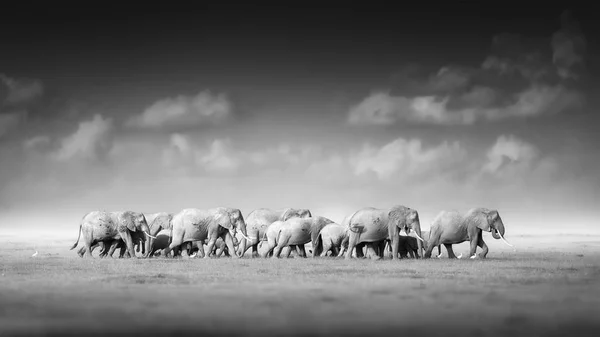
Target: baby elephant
293	233
332	238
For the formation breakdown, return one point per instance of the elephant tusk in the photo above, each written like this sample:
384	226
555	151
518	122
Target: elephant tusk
418	237
474	256
439	256
503	239
245	237
459	257
154	237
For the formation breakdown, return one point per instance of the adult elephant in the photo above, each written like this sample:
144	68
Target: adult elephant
333	237
294	233
260	219
452	227
373	225
108	227
193	224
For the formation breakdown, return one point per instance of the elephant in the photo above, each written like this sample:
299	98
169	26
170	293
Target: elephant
162	241
333	237
295	233
258	221
372	225
108	227
159	222
453	227
193	224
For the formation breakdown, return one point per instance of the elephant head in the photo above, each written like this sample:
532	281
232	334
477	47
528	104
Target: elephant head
235	221
488	220
136	222
295	213
407	218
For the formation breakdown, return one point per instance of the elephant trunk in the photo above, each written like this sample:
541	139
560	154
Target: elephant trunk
498	229
148	241
241	248
420	240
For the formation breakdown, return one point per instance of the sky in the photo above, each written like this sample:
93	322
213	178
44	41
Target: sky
160	108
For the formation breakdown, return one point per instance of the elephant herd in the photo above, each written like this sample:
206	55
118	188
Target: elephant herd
368	232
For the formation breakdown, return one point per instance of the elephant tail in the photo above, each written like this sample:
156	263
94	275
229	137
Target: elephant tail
264	238
78	236
317	245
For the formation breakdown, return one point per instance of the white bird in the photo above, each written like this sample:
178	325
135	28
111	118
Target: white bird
35	254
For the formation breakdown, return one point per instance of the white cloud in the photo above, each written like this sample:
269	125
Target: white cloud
21	91
383	109
402	158
184	111
92	140
221	157
515	159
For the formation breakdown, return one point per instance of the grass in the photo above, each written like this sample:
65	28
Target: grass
548	287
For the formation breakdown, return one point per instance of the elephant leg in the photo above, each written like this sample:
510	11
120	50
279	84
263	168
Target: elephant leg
411	253
126	237
473	244
122	250
382	245
360	252
352	244
483	246
201	253
255	250
209	247
371	251
302	250
395	243
81	251
327	246
88	249
450	251
276	252
288	251
229	245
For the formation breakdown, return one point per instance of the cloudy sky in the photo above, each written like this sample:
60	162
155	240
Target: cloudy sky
331	108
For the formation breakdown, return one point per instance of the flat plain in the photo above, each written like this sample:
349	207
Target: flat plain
549	286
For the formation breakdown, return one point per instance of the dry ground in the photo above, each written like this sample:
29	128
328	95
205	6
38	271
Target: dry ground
549	287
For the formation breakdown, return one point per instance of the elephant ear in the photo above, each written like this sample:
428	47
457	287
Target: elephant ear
287	214
398	215
127	219
483	219
492	217
224	220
